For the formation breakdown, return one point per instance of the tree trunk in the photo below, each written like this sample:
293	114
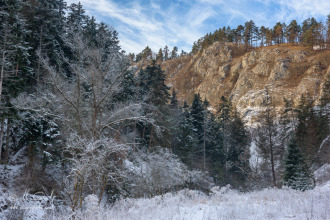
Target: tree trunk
1	134
6	153
271	147
2	72
273	165
31	160
204	148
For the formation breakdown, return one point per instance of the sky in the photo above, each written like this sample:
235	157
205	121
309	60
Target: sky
156	23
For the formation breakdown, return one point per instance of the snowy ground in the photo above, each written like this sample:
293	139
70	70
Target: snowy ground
223	203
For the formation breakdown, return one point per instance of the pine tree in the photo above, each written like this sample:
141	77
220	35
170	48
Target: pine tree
41	135
306	129
155	92
197	127
249	31
185	138
174	53
197	116
269	36
175	116
107	41
147	53
90	31
293	30
215	157
46	20
14	61
76	17
312	129
166	51
238	151
127	88
160	57
262	35
14	48
278	33
309	32
296	173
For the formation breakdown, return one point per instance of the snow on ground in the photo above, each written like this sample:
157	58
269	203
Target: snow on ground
222	204
322	175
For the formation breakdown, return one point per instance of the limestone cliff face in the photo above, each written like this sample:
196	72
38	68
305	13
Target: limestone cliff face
287	71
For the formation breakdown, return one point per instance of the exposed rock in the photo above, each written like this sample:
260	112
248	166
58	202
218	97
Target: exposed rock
227	69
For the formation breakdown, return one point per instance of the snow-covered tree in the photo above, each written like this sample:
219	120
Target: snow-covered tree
89	117
296	174
14	61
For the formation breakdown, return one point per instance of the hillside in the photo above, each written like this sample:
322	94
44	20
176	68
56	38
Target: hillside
287	70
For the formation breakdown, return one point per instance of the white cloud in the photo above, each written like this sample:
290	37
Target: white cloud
184	21
139	26
302	9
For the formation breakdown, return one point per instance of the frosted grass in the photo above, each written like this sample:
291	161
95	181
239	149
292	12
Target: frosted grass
222	204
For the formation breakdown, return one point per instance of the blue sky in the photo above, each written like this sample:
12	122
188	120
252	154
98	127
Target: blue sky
156	23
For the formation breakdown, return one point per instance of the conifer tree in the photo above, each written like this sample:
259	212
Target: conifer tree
15	57
14	61
76	17
197	116
128	90
239	33
90	31
174	53
279	33
306	128
159	57
147	53
312	129
155	92
215	157
262	35
292	31
185	138
166	53
46	20
296	174
175	117
238	151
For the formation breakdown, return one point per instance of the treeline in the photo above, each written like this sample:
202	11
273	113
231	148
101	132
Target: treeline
163	54
309	33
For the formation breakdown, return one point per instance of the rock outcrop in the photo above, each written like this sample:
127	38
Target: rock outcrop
288	71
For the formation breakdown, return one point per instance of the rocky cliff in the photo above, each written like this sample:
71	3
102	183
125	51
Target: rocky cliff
288	71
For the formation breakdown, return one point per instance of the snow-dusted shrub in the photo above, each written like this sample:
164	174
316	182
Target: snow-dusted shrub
322	175
95	165
92	207
158	172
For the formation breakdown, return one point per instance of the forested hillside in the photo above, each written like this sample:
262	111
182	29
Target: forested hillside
80	118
